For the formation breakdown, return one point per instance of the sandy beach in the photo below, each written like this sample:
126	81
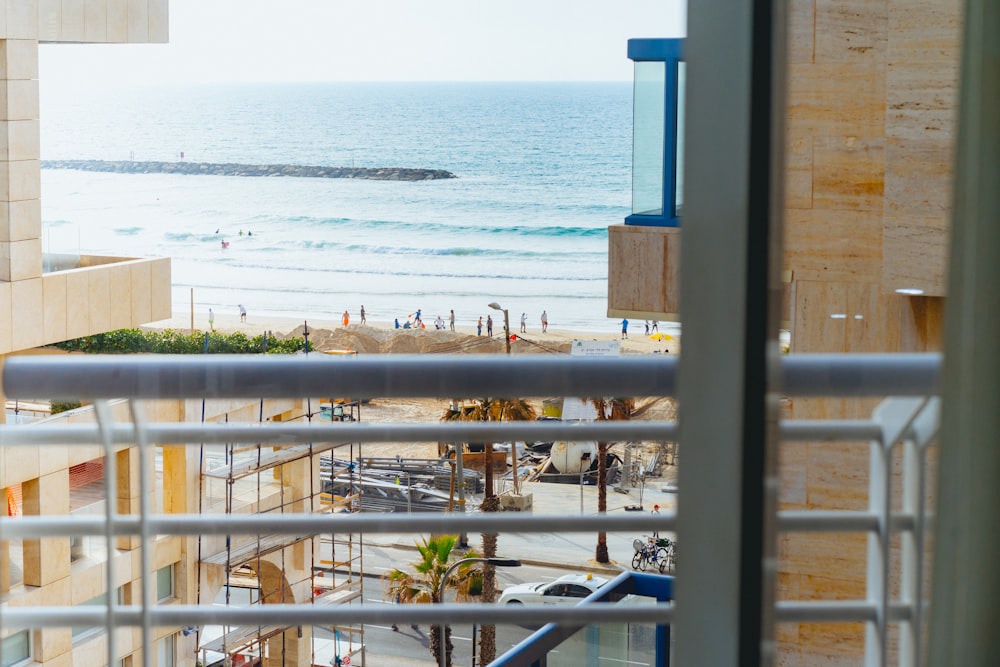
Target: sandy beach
381	337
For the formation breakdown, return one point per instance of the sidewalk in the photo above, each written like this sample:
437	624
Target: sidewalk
567	550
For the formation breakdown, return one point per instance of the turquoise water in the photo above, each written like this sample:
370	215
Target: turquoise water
542	170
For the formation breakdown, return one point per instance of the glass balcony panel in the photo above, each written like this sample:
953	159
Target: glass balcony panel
649	110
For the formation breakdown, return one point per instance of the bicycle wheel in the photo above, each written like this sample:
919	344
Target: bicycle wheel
670	562
663	560
637	560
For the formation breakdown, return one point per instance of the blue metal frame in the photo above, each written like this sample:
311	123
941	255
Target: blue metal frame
669	51
532	651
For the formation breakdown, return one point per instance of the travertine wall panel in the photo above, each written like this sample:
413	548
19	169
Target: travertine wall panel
74	20
848	173
798	171
54	293
21	19
26	305
95	21
142	293
25	258
6	318
161	299
851	31
77	304
916	254
120	294
834	245
921	100
917	177
49	18
643	271
801	32
117	17
19	99
836	100
100	301
25	219
924	31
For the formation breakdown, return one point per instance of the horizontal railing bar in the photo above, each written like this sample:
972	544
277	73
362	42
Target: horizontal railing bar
32	527
351	432
92	377
306	614
840	521
842	611
808	430
285	433
808	611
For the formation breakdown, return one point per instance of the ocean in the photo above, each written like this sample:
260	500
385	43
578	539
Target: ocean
543	169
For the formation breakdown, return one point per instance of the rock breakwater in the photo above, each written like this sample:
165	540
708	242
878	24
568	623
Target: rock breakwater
255	170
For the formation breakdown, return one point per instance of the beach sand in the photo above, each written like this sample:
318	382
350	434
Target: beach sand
382	337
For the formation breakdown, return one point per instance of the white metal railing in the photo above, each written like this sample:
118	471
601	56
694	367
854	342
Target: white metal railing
911	421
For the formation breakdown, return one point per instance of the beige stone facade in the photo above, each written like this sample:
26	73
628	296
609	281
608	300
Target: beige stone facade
84	296
871	109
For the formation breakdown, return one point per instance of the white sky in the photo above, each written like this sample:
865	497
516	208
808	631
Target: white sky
379	40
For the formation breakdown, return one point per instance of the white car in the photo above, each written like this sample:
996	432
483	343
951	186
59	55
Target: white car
568	589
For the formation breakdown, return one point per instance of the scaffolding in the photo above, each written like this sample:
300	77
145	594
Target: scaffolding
311	568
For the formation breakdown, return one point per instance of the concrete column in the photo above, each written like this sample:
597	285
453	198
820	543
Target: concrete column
127	468
46	560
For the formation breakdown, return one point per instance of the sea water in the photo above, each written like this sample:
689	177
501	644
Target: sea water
542	170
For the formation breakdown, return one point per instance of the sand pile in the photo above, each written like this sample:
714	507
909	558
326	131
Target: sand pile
374	340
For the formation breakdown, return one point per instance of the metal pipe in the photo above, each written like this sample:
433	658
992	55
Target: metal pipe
235	376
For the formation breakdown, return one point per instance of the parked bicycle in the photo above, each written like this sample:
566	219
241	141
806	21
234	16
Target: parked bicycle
659	553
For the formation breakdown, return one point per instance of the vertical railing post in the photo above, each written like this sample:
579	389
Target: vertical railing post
730	299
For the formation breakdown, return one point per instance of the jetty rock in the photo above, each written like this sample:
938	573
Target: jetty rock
251	170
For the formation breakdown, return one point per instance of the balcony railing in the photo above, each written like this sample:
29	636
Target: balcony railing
910	419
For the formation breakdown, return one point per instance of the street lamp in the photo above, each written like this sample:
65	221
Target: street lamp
506	322
496	562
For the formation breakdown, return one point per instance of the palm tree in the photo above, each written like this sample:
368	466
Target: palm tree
486	410
608	409
422	584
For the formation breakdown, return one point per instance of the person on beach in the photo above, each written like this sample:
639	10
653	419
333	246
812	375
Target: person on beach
363	320
347	318
451	319
397	322
647	326
656	512
489	326
624	329
656	325
416	319
545	321
524	323
439	323
243	313
479	326
211	319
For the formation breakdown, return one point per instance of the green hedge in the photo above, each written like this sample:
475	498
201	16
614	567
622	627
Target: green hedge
171	341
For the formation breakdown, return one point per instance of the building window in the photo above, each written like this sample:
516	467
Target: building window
84	631
657	132
165	583
165	651
16	649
